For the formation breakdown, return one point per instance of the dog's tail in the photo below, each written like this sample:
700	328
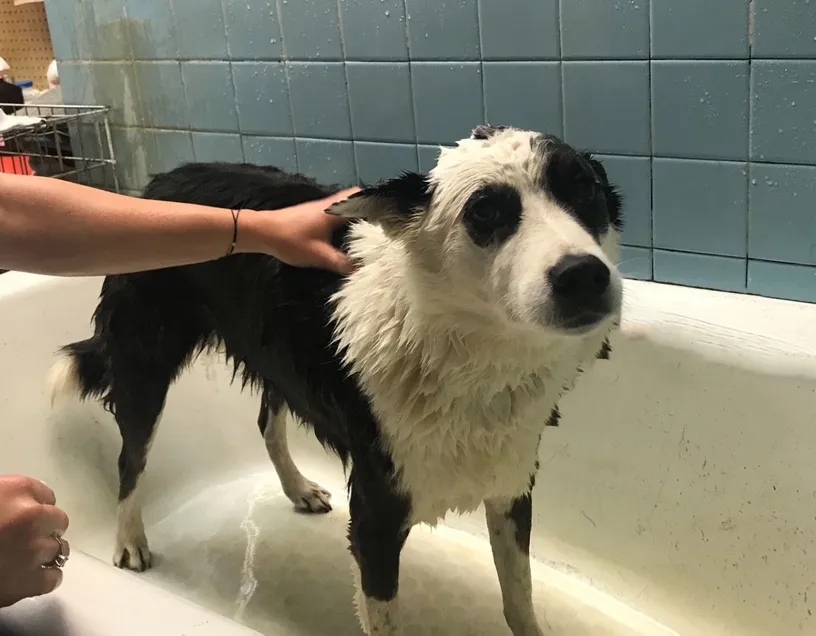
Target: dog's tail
81	370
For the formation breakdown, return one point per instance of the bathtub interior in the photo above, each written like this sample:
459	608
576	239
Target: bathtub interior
674	499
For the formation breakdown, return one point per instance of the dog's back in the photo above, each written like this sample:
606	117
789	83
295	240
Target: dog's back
246	303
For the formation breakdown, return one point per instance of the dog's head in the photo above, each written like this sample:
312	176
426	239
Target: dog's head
509	222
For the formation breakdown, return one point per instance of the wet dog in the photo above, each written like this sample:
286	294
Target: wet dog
483	289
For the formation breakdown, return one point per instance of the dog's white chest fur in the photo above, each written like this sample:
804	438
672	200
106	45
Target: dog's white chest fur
461	412
481	447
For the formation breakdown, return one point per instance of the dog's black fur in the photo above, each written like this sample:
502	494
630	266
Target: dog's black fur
274	322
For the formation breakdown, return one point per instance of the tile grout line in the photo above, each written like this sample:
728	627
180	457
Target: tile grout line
750	169
561	69
651	146
481	60
284	61
407	36
232	80
348	94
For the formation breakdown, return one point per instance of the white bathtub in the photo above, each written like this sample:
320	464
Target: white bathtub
678	496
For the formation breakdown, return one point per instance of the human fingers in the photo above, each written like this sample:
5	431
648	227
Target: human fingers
49	548
52	520
333	259
42	493
15	485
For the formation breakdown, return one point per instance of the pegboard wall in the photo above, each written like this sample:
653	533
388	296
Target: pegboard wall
25	42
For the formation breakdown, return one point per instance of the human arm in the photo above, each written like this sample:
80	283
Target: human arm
29	520
50	226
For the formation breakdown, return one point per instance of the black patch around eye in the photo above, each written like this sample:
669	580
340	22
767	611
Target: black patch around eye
614	199
579	188
492	214
579	184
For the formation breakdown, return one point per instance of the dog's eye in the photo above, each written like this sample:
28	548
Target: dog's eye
484	211
492	214
588	188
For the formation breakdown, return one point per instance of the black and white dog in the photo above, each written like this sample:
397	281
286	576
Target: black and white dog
483	289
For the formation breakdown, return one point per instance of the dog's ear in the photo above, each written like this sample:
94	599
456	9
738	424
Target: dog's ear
392	204
614	199
486	131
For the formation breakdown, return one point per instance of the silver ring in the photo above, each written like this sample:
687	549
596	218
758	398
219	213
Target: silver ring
61	559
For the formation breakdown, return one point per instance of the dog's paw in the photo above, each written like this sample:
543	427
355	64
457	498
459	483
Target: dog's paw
133	555
309	497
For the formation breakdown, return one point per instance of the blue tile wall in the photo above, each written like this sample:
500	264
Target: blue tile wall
131	166
376	161
447	100
77	83
151	29
636	262
605	29
262	98
689	195
633	176
519	30
784	121
311	29
525	93
374	34
252	30
390	117
703	111
167	149
700	270
210	94
271	151
111	81
161	93
326	160
700	109
700	29
200	28
217	147
782	218
442	29
428	156
784	28
320	106
792	282
606	106
106	35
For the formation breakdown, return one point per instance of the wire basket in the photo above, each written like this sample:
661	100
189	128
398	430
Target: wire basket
68	142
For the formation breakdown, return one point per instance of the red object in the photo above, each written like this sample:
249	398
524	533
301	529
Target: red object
16	164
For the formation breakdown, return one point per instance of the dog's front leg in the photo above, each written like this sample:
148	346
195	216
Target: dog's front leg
509	522
378	529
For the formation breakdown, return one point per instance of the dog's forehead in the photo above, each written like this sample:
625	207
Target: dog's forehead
510	156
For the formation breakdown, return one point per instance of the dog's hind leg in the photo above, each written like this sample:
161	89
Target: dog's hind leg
143	364
305	494
137	415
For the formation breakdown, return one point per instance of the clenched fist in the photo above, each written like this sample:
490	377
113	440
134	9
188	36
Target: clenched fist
29	524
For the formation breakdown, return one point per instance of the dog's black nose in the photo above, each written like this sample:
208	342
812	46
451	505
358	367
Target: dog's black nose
579	279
